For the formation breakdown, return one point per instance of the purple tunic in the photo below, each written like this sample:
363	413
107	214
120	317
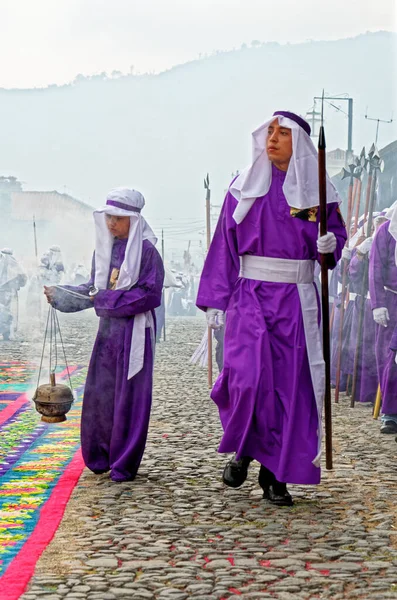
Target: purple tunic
383	274
367	375
264	393
116	411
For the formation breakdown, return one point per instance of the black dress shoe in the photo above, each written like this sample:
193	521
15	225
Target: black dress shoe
389	427
278	496
236	471
273	490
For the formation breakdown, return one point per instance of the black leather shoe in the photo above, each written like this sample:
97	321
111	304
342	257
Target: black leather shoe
273	490
236	471
278	497
389	427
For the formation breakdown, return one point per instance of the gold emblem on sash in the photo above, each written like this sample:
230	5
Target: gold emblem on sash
305	214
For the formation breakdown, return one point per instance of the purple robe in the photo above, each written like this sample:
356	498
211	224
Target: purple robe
383	274
367	374
265	394
116	411
346	368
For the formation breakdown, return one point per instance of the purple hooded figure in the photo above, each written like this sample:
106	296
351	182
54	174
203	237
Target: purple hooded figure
383	292
260	271
124	289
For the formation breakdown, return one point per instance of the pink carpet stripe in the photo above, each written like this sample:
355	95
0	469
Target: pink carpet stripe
12	408
16	578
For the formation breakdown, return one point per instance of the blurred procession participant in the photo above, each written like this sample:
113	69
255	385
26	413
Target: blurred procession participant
51	267
124	289
367	374
49	272
80	274
260	271
169	282
383	292
12	279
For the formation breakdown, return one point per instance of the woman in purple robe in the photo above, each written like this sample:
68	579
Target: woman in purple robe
124	289
259	269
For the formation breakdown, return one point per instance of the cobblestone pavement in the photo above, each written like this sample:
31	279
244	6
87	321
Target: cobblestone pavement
176	532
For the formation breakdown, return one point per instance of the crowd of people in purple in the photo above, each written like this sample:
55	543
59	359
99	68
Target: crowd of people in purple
369	356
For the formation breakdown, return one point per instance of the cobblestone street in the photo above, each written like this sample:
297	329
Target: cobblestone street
177	532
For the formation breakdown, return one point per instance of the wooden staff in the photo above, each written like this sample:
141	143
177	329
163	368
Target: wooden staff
322	179
378	403
163	298
361	165
369	182
344	283
208	219
35	238
364	290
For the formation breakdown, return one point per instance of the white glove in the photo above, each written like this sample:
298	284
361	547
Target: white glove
381	316
395	358
346	253
326	244
365	246
215	318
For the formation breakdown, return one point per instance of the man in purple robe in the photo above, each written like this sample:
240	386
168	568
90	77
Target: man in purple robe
259	270
383	292
124	289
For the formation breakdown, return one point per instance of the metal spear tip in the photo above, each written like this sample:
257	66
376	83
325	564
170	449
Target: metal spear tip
362	153
345	173
372	151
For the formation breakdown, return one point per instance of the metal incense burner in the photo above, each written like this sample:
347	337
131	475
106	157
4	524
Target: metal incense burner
53	400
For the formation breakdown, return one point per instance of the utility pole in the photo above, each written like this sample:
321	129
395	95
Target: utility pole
349	155
377	123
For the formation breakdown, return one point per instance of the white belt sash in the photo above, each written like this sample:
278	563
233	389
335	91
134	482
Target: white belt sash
301	273
138	338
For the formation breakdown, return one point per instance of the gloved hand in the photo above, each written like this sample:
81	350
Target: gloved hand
215	318
365	246
346	253
381	316
395	358
326	244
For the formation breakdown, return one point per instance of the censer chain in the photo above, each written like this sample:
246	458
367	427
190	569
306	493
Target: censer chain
63	348
45	338
53	322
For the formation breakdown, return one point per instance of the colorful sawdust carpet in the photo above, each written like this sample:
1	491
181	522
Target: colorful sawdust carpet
40	464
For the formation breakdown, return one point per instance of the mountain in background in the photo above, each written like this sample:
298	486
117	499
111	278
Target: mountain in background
163	133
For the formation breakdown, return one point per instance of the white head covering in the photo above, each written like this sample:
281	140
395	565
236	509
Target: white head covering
301	182
9	267
124	202
121	202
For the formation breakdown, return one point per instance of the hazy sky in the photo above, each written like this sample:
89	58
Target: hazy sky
51	41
